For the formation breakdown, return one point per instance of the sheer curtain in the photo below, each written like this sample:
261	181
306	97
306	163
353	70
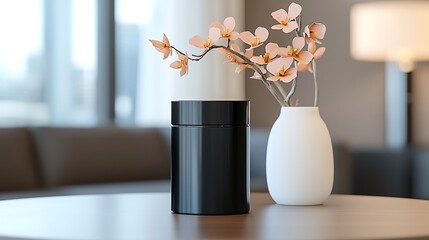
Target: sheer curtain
209	79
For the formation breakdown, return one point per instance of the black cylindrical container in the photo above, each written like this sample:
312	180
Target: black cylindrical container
210	157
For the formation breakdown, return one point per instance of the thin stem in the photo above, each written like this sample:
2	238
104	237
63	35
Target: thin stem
277	94
192	59
204	53
282	90
294	86
316	84
298	30
292	91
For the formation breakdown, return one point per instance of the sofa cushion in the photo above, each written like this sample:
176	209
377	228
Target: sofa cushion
72	156
17	160
384	172
420	176
258	152
343	170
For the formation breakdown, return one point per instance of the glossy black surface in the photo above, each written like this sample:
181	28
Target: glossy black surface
210	170
209	113
210	162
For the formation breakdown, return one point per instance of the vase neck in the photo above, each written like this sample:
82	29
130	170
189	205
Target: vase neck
300	111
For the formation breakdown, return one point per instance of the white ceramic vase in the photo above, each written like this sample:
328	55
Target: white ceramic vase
300	162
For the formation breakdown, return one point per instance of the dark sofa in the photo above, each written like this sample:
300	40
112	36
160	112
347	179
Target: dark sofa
391	172
63	161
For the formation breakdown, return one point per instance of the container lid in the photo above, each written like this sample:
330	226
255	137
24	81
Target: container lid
203	113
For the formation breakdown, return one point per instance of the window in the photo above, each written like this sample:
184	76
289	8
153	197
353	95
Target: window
47	62
49	66
21	63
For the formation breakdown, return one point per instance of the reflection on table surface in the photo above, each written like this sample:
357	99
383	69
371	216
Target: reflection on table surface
148	216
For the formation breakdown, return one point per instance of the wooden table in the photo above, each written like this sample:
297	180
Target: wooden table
148	216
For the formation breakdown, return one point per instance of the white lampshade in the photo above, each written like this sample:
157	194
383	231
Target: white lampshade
390	31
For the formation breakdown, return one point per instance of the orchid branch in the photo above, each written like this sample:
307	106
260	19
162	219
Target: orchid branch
192	59
200	56
316	84
298	30
294	85
281	89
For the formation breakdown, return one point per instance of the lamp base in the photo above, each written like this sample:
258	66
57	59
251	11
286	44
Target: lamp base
398	110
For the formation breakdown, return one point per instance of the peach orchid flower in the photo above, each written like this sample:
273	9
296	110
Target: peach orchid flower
200	42
317	54
286	20
295	52
231	57
241	64
314	32
258	76
261	35
226	30
181	63
163	46
281	71
271	51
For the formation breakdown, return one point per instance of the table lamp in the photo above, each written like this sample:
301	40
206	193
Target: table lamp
395	32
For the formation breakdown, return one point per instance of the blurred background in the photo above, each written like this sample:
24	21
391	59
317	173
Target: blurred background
49	67
89	64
